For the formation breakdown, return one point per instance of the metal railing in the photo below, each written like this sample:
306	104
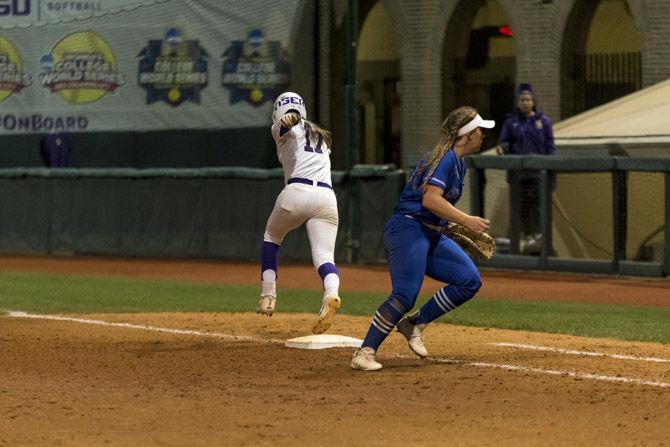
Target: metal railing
618	167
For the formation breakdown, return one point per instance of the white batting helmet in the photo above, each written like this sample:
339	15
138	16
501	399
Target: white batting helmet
288	101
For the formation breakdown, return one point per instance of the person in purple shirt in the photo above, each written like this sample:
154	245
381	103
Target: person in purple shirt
416	245
526	131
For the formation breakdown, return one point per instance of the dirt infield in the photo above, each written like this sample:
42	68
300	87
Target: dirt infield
81	384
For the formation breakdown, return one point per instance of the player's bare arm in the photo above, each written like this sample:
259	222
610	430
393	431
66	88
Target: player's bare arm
434	201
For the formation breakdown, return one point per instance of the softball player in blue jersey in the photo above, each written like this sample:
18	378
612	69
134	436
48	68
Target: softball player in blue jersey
415	245
303	149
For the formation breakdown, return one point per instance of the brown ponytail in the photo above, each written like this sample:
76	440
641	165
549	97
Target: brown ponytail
321	132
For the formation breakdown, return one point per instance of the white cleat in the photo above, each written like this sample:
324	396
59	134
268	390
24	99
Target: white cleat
364	360
414	335
266	306
328	310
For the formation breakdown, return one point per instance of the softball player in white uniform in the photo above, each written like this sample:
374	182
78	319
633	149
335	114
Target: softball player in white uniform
303	150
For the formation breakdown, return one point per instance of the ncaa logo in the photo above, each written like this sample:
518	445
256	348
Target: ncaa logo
14	7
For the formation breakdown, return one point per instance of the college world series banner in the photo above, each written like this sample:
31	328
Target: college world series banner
136	65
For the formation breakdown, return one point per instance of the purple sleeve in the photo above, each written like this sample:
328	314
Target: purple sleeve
505	134
549	147
278	131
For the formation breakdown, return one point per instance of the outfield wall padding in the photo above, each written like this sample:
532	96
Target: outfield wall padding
194	148
215	213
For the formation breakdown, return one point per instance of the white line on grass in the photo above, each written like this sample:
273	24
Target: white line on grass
147	328
551	372
586	353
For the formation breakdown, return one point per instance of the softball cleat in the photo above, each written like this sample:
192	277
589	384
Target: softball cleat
364	360
414	335
266	305
330	305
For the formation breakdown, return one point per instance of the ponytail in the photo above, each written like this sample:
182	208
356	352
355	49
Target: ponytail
456	119
321	132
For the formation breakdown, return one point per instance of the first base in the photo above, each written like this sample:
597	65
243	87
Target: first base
323	341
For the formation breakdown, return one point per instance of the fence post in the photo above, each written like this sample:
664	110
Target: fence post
545	217
352	129
477	193
666	262
620	216
514	213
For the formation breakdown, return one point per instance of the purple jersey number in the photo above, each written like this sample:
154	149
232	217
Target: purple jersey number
309	148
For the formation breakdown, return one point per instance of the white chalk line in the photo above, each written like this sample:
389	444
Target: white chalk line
553	372
147	328
584	376
575	352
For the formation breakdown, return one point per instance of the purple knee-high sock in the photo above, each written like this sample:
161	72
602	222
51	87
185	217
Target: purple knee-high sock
269	257
327	268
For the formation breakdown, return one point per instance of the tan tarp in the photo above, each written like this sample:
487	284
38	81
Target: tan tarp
643	117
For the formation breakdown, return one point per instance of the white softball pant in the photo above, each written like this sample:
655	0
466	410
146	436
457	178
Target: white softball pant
316	205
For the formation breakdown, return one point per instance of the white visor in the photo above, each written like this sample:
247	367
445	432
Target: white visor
478	121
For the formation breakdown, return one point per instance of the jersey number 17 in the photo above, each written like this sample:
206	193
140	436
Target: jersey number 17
309	148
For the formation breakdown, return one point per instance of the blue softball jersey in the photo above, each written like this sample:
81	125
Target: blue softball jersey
449	175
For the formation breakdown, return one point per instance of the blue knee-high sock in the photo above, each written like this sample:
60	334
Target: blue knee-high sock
439	304
385	319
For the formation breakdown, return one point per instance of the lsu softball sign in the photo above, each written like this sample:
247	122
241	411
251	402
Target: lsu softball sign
26	13
129	65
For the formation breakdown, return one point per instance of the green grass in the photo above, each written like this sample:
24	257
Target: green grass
72	294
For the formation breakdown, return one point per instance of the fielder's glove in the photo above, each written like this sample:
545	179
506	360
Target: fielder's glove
290	119
478	246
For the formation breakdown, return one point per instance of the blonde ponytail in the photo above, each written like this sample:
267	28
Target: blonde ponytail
456	119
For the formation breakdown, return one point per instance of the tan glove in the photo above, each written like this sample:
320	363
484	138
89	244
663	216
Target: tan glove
477	246
290	119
